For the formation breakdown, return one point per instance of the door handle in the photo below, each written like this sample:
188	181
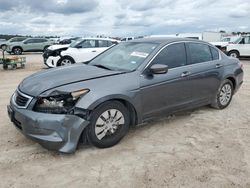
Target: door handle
185	74
218	66
93	50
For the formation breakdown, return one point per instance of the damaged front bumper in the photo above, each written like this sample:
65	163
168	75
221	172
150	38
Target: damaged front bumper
60	132
51	61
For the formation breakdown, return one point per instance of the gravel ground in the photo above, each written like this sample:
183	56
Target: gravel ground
198	148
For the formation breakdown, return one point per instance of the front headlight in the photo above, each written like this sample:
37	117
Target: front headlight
60	103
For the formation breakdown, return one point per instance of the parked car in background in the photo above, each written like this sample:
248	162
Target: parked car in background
12	40
29	45
2	43
241	47
81	50
127	39
126	85
69	40
225	41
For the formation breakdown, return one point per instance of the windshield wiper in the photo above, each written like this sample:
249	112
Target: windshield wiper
102	66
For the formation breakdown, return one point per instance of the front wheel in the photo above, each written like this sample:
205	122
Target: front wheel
109	123
234	54
17	51
66	61
224	95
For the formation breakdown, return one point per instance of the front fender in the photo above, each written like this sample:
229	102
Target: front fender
90	103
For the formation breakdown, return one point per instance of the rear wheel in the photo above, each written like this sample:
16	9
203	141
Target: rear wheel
17	51
224	95
234	53
5	67
3	47
109	123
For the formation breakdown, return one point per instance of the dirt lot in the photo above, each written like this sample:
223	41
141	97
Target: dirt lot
199	148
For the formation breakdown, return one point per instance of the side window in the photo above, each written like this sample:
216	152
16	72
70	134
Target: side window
173	55
247	40
29	41
109	43
199	53
37	41
103	43
215	53
42	40
87	44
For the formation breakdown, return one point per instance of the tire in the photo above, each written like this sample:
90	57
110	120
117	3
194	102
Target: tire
224	95
3	46
17	50
5	67
234	53
13	66
64	61
109	123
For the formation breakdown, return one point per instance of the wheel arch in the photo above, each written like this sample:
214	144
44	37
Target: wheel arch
133	111
233	50
233	80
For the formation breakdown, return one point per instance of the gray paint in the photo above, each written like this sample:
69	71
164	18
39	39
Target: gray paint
150	95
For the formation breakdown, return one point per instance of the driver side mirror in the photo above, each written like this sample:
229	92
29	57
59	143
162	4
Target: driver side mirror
159	69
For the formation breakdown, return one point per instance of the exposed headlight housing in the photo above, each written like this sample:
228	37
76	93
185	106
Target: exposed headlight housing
60	103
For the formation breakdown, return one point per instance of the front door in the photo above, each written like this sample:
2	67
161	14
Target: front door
170	91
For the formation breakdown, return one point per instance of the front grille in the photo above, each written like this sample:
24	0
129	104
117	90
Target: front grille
47	53
21	100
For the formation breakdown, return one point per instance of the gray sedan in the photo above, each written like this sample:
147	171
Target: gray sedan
132	82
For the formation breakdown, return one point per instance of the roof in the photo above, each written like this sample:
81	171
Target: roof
164	40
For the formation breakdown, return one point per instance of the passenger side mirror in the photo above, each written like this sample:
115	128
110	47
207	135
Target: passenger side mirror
159	69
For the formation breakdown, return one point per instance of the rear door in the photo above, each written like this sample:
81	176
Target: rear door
103	45
244	46
205	72
170	91
86	50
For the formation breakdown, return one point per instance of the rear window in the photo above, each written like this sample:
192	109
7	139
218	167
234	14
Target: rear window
215	53
199	53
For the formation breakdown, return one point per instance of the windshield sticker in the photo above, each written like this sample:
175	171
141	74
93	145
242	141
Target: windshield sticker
139	54
133	62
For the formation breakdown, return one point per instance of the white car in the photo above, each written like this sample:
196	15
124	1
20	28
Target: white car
225	41
240	48
82	50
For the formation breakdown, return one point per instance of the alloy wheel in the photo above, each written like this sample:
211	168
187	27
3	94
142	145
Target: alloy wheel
108	123
66	62
225	94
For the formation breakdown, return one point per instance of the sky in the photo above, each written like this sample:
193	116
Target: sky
122	17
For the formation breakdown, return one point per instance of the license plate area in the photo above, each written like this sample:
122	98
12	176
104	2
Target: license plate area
11	114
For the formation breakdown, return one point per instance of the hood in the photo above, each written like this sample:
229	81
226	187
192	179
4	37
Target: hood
219	43
40	82
58	46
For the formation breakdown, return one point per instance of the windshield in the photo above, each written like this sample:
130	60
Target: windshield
75	42
226	40
237	40
124	56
